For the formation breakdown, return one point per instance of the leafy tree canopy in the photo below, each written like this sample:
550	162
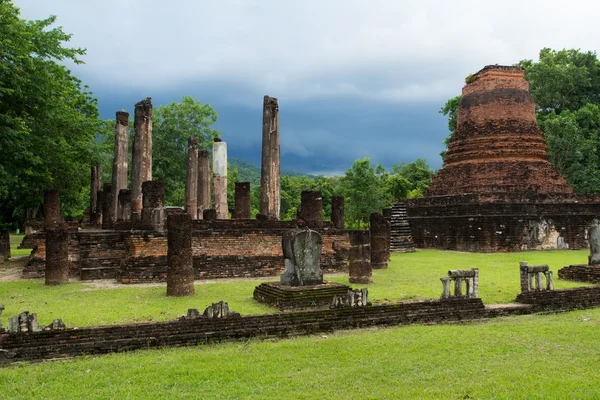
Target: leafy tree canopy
48	119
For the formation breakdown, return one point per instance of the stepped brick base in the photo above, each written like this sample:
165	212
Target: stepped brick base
580	273
286	297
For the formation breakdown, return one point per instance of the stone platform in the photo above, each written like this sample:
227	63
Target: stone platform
580	273
287	297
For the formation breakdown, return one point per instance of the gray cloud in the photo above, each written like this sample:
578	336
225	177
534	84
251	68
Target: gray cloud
354	78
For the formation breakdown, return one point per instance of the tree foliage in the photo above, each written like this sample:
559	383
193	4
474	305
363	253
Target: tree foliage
48	119
172	126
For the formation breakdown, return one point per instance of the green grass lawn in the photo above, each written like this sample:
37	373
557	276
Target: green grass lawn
15	241
537	356
413	276
540	356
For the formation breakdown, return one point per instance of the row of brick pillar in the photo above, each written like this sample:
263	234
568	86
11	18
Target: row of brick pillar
369	249
113	201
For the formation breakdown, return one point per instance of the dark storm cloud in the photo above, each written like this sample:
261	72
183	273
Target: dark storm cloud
354	78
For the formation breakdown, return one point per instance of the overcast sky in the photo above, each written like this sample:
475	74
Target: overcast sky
354	78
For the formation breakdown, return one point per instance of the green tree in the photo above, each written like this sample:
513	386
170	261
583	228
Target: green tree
450	109
365	192
48	119
172	125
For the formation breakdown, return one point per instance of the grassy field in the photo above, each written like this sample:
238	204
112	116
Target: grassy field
409	277
541	356
15	241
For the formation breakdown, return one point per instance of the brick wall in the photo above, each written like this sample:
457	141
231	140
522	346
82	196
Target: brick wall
580	273
221	249
509	223
227	249
562	300
119	338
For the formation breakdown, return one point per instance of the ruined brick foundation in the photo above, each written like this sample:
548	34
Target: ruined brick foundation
498	191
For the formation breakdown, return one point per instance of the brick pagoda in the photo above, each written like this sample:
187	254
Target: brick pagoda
498	191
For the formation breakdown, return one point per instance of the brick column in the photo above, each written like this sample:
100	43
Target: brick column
380	241
95	187
270	185
99	208
119	169
141	168
180	270
153	213
124	216
220	178
4	245
106	202
203	182
52	218
209	214
360	268
57	256
311	208
242	200
191	181
337	211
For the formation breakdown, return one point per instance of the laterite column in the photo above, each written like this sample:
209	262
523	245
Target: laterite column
311	208
270	185
203	182
337	211
360	268
119	169
242	200
180	270
141	168
191	182
57	256
220	178
380	241
52	218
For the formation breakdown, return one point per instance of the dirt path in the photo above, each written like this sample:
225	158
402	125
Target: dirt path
11	270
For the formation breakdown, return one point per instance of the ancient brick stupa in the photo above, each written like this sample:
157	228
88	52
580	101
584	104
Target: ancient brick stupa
498	191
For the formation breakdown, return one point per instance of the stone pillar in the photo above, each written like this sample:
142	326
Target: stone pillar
360	268
203	182
180	270
337	211
270	186
210	214
4	246
99	208
57	256
106	202
95	187
153	212
524	277
387	215
594	239
242	200
124	216
141	168
52	218
380	241
119	169
311	208
191	182
220	178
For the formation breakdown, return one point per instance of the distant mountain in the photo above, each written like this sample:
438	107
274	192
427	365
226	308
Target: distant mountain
248	172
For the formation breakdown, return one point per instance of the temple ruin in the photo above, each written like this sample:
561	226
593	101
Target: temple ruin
128	237
498	191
